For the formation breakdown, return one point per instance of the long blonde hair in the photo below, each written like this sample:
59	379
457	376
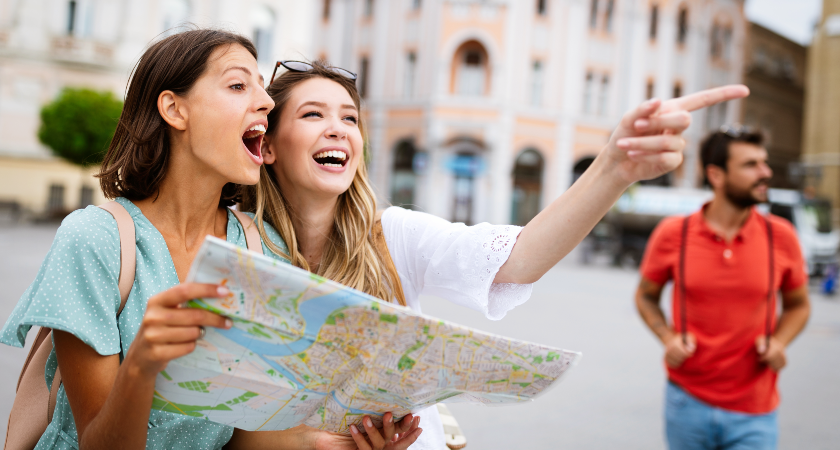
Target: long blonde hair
352	256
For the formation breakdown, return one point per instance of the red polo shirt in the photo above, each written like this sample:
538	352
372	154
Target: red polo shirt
726	304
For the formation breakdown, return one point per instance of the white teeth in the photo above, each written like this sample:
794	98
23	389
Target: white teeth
332	154
330	165
258	127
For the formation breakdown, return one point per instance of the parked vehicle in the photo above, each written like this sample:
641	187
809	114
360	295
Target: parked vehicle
625	230
812	219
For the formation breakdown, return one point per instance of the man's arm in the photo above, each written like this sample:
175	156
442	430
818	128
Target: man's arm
647	302
796	308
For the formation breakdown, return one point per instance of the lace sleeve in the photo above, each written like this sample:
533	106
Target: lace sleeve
454	261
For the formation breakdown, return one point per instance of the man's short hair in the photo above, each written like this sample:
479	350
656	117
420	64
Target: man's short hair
714	150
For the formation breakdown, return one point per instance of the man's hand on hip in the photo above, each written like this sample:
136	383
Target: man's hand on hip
773	355
677	351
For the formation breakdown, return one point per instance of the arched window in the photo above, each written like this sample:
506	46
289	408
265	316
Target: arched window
263	21
403	179
527	186
682	25
471	70
465	167
175	12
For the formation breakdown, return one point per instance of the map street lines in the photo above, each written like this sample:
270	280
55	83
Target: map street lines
305	350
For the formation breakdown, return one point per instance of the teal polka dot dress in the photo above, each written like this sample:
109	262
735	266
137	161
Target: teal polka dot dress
76	291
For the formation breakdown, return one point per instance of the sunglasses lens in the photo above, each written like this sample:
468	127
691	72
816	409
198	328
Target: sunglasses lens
300	66
344	73
297	66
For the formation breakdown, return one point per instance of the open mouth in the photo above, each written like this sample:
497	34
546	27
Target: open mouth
331	158
253	140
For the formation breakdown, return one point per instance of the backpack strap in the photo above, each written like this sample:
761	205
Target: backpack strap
128	265
26	422
128	249
252	234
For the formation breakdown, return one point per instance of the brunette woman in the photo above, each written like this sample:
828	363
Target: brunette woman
188	137
314	190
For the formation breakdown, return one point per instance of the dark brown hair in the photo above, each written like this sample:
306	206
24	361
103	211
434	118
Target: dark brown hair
352	256
138	157
714	150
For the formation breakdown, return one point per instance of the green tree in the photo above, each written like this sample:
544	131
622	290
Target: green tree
79	124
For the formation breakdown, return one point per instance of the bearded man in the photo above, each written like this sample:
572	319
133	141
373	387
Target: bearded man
725	347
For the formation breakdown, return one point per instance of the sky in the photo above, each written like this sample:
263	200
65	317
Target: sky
793	19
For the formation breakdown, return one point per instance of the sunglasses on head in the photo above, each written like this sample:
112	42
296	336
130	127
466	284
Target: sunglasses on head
300	66
736	130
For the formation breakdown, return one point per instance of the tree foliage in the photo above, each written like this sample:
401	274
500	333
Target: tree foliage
79	124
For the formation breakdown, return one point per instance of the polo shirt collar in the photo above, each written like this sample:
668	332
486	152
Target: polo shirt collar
699	219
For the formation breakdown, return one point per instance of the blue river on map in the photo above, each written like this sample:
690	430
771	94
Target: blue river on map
314	312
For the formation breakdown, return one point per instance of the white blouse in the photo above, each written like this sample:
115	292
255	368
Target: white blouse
454	262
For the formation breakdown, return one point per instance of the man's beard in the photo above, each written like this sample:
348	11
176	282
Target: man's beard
744	198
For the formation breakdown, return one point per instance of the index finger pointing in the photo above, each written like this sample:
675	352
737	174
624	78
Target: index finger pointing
706	98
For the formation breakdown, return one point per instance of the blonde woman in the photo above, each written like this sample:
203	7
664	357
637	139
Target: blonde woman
314	190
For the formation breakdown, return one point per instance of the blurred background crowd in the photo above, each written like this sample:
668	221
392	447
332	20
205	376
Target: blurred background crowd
477	110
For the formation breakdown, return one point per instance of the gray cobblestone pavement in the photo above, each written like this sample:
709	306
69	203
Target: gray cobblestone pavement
612	400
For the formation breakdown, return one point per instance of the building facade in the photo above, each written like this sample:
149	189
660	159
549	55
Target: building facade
487	110
46	45
775	73
821	144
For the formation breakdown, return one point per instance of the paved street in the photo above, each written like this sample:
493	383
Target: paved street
612	400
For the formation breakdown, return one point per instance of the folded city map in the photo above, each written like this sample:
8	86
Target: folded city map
306	350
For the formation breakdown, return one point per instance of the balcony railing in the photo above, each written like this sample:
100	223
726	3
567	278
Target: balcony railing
82	51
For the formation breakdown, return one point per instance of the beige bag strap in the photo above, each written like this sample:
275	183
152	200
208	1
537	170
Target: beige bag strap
28	419
252	234
43	333
128	249
128	265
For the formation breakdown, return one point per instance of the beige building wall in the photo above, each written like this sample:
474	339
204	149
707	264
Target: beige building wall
27	182
821	144
544	88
